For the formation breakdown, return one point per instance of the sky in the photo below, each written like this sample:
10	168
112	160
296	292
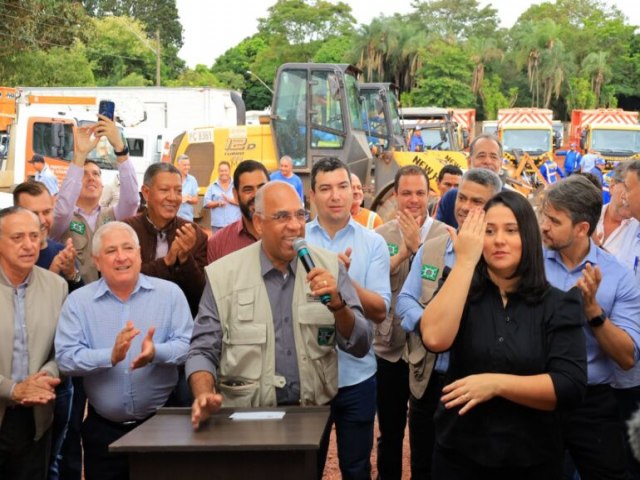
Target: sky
211	29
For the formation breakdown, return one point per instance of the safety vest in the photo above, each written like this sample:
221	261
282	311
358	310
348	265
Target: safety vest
82	237
247	374
421	361
389	338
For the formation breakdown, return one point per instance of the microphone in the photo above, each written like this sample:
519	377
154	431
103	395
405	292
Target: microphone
300	246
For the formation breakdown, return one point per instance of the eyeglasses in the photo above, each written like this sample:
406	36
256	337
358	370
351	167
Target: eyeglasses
284	216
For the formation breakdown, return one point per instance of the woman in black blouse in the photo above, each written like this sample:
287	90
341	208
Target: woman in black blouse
517	350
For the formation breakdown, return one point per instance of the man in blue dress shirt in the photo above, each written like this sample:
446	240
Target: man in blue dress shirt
285	174
44	174
125	334
593	433
367	258
189	188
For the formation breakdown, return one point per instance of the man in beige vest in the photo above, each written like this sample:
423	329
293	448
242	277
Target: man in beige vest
77	212
403	235
280	340
30	301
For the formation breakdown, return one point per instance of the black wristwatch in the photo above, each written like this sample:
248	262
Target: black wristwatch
123	152
342	305
598	320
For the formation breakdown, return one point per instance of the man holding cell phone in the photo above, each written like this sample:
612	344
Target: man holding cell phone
77	212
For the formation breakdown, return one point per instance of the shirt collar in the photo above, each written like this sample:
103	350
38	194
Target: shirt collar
591	256
155	230
315	225
266	266
102	288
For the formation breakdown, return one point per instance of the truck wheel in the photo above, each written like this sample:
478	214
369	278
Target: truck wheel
384	204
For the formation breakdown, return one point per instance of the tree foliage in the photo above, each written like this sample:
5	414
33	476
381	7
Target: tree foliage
560	54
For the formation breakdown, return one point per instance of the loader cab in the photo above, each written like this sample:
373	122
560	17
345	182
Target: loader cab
382	120
316	113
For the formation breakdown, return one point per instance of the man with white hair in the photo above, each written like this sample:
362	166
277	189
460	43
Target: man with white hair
128	374
30	299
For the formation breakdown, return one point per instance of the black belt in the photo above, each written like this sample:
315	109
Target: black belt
126	425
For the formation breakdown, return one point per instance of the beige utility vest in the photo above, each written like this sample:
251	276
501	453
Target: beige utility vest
82	237
421	361
247	375
389	338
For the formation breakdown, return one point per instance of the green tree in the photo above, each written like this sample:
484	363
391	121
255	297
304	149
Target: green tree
301	22
155	16
118	49
596	67
31	25
493	99
57	67
334	50
580	94
200	76
445	79
482	50
457	19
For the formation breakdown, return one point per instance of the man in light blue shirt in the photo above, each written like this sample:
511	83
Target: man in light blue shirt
125	334
367	258
189	188
44	174
286	175
593	433
219	198
631	198
476	187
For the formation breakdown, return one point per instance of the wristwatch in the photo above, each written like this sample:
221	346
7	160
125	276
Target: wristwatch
598	320
76	277
342	305
123	152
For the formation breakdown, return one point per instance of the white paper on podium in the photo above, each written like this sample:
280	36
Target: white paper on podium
257	416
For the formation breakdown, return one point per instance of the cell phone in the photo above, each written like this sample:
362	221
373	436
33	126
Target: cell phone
107	108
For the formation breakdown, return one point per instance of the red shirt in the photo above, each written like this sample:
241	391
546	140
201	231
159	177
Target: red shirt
227	240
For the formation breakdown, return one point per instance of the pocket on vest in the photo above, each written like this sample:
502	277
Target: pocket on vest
417	356
239	393
318	330
242	351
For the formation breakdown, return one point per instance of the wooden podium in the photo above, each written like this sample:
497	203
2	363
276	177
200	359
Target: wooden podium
167	447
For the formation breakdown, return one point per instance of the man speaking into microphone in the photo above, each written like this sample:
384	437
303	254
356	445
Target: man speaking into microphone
262	336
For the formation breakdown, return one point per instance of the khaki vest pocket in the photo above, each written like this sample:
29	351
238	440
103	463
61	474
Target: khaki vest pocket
243	350
239	393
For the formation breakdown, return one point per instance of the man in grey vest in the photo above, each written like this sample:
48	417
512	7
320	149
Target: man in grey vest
280	340
30	301
426	375
403	235
77	212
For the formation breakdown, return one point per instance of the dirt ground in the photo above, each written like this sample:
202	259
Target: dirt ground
332	471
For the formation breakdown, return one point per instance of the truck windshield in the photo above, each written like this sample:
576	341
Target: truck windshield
53	139
290	116
375	124
353	101
432	138
530	141
623	141
395	116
